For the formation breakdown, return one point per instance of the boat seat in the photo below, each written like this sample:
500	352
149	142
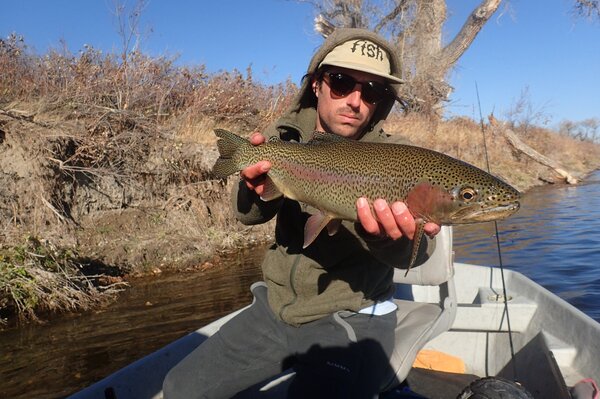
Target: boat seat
426	299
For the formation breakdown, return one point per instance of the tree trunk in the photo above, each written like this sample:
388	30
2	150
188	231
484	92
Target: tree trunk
453	51
430	17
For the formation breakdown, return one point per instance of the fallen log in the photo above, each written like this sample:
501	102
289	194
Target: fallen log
520	146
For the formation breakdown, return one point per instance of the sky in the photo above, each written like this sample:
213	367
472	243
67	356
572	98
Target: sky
535	48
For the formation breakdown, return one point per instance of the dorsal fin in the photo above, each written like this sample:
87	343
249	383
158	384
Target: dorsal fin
324	137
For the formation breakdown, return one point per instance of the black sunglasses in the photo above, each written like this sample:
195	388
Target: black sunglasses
341	85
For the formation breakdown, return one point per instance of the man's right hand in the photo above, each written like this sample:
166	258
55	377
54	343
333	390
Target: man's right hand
254	175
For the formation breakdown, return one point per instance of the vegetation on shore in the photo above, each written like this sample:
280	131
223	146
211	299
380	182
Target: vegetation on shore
105	168
39	277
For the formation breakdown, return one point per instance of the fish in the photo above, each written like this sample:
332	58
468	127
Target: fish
330	172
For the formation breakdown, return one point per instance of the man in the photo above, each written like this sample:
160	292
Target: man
324	311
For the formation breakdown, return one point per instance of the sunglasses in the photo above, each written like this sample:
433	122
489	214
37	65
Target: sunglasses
341	85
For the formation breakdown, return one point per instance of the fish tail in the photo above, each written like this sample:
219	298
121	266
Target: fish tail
228	144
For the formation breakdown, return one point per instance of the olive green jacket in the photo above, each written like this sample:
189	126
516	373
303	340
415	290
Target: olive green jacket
347	271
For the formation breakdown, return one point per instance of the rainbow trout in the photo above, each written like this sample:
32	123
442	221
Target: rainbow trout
331	172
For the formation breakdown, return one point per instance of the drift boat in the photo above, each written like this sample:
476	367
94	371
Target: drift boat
446	310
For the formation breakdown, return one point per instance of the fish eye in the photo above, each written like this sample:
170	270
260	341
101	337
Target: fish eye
467	194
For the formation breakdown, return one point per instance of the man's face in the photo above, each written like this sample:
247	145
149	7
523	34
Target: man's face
347	115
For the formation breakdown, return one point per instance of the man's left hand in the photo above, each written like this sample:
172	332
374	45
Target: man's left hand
393	221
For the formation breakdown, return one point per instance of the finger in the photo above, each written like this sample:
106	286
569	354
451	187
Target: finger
404	219
257	170
257	138
257	185
366	218
258	189
386	218
432	229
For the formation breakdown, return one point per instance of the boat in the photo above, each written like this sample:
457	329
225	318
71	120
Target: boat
448	310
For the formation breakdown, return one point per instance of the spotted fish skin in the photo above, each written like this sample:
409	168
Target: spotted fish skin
331	172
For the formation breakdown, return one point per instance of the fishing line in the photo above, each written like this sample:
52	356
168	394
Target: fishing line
487	161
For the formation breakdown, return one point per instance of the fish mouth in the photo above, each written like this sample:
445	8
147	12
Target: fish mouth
485	213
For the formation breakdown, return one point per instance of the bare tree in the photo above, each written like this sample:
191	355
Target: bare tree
415	27
128	28
524	114
588	8
585	130
128	24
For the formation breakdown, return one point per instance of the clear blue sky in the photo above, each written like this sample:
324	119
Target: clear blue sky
534	44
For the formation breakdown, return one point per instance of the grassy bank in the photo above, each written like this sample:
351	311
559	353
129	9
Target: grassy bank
105	169
37	277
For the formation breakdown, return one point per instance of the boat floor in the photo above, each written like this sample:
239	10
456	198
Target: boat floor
432	384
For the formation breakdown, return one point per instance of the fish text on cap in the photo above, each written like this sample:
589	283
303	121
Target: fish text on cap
368	49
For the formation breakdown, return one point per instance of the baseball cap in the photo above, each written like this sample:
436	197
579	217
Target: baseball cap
361	55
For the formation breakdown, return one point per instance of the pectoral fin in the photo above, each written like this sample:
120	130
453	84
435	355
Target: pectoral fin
420	224
426	200
313	227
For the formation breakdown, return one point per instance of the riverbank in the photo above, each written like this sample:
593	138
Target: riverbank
90	196
105	170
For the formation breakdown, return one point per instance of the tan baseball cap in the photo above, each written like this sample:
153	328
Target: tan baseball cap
361	55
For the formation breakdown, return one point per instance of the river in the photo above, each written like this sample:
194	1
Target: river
554	239
69	352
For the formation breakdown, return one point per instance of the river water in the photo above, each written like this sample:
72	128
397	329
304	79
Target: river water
68	353
554	239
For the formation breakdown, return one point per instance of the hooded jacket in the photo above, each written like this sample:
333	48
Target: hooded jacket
347	271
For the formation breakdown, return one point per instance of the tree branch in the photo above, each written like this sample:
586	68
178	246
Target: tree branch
323	26
588	8
400	6
453	51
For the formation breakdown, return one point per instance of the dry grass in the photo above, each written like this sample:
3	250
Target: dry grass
154	89
463	139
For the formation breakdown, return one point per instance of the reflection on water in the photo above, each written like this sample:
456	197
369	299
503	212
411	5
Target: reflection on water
69	353
554	240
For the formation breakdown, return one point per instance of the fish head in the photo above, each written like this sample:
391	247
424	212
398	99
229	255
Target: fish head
483	199
473	204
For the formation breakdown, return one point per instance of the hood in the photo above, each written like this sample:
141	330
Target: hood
302	114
